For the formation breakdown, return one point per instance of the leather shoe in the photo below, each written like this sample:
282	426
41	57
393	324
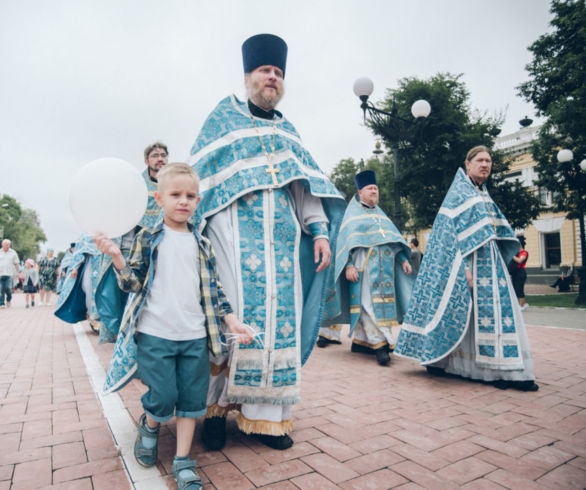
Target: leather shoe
362	349
503	384
214	433
435	371
275	442
382	356
322	342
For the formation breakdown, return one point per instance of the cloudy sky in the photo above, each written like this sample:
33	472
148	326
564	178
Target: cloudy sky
87	79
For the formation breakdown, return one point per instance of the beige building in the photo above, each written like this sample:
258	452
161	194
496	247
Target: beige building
552	239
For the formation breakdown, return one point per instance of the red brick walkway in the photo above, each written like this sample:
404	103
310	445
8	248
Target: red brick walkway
359	426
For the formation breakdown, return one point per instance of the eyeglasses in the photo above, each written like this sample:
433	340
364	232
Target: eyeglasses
158	155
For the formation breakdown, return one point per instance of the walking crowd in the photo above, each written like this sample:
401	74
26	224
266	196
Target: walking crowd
248	256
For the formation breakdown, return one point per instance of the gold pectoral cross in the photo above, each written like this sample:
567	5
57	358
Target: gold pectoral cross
380	225
273	171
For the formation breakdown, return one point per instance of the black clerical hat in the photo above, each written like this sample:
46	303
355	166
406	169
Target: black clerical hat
264	49
367	177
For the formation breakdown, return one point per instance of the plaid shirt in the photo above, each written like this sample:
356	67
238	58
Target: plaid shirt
138	275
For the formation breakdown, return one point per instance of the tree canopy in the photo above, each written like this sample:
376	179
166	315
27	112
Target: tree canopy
22	227
431	150
557	88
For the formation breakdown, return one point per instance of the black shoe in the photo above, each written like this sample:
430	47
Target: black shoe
502	384
214	433
382	356
435	371
362	349
322	342
275	442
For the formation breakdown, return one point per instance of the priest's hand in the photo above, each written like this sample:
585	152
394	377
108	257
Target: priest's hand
321	246
407	268
73	274
352	273
470	280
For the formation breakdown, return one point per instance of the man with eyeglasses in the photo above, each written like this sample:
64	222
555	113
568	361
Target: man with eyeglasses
155	158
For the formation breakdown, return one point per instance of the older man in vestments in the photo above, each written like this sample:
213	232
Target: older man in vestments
372	273
464	318
271	215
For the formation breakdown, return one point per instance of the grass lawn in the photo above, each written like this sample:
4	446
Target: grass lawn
552	300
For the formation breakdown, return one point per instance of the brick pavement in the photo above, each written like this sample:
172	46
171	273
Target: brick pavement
359	425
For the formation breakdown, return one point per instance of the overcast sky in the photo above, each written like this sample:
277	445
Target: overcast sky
88	79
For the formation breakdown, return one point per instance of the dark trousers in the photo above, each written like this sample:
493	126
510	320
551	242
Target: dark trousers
5	289
563	284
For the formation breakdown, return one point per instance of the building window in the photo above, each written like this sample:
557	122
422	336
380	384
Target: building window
553	251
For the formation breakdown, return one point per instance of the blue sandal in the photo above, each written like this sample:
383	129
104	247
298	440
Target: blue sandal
185	474
145	446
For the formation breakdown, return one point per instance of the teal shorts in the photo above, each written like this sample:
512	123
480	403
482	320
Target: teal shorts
177	374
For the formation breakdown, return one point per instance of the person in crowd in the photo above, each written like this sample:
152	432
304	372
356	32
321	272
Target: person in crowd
564	280
173	319
464	318
9	267
76	302
518	274
415	255
64	267
271	215
372	268
31	282
48	273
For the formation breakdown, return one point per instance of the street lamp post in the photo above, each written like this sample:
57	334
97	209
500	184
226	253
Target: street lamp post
575	176
394	129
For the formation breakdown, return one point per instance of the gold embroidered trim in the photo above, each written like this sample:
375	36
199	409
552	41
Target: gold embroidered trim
264	426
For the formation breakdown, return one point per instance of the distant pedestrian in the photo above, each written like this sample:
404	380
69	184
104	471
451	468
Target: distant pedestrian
8	267
415	255
48	267
66	262
30	281
518	274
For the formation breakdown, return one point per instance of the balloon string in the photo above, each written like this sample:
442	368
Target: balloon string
256	337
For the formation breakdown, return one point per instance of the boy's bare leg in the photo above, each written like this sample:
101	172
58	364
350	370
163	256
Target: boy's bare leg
185	431
153	424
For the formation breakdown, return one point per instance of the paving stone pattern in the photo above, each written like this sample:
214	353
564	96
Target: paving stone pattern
360	426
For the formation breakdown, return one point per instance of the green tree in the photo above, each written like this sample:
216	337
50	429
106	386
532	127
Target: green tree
21	226
557	88
431	150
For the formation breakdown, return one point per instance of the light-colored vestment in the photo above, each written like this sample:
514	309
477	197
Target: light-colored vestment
262	225
369	241
478	333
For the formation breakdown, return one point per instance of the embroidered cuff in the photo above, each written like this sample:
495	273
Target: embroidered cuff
318	230
401	257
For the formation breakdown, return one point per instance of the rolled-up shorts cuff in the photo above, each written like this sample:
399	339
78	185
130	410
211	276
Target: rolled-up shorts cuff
191	414
157	418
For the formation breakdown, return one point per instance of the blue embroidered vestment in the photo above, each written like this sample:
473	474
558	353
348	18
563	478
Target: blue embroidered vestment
469	231
273	255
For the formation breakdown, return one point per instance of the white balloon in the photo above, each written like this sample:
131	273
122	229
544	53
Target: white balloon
108	196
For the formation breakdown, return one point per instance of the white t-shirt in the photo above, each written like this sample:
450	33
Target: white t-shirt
173	306
7	262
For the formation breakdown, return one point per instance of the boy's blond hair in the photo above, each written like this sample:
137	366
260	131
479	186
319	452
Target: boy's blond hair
174	169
